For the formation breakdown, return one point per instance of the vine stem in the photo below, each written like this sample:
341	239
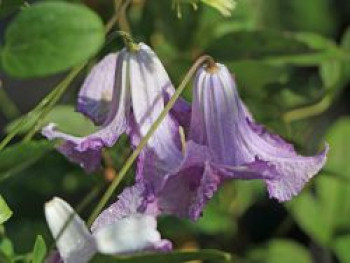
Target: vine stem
129	162
308	111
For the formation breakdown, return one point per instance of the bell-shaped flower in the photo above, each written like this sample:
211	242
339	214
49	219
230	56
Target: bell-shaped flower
130	231
125	92
222	122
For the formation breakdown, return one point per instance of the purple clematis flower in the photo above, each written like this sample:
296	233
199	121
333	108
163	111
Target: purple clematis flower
131	230
125	92
222	122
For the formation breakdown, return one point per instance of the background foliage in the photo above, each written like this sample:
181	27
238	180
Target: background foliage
291	62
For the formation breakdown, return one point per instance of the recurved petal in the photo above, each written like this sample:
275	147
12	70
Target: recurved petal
95	96
135	232
86	151
295	173
76	244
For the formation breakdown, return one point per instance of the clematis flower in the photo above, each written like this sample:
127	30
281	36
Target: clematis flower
130	231
222	122
125	92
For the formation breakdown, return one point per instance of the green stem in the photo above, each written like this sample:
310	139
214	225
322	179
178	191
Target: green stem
129	162
308	111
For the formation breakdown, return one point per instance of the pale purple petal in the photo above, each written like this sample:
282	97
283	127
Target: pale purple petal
54	257
221	121
129	225
147	93
131	201
86	151
134	233
185	191
95	96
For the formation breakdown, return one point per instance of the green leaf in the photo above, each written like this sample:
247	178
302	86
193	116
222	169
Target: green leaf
311	16
7	7
172	257
275	47
225	7
20	156
50	37
323	214
280	250
341	248
6	249
339	141
5	211
66	118
39	251
308	213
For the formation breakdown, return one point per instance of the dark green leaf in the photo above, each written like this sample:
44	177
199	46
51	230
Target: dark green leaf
39	251
5	211
172	257
39	42
20	156
7	7
275	47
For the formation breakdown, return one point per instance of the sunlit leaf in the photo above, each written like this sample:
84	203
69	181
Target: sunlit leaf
225	7
39	250
40	42
5	211
341	248
280	250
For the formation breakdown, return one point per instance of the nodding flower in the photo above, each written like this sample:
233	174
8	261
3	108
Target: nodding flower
222	122
124	93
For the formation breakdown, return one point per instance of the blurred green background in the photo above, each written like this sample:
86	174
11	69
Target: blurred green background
290	59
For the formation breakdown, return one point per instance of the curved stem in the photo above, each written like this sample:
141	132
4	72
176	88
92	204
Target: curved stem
129	162
308	111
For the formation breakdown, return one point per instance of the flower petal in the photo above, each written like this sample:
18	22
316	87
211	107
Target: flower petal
129	224
130	201
221	121
136	232
86	151
76	244
147	89
185	191
96	94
